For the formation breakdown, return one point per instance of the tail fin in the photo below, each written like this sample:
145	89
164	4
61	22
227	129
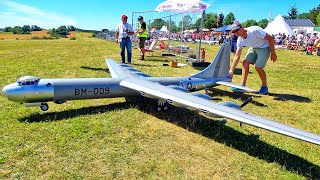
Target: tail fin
220	65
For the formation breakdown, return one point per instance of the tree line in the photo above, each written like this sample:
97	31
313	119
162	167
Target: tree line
61	31
25	29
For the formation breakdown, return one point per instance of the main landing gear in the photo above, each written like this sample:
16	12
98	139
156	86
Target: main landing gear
44	106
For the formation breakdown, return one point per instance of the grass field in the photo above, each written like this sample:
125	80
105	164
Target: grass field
114	139
39	34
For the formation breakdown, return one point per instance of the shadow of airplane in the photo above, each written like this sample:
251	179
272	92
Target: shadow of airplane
213	129
57	116
95	69
290	97
236	95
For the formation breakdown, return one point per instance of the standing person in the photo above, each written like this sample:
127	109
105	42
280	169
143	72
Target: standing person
300	40
234	39
123	32
142	34
260	45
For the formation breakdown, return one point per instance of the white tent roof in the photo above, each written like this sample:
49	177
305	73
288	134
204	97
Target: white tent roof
163	29
279	25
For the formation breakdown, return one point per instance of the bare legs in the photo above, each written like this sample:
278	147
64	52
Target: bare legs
245	72
262	75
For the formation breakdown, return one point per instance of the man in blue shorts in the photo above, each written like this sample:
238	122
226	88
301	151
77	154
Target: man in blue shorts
260	45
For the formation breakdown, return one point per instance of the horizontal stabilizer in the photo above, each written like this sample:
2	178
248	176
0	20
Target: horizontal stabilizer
236	86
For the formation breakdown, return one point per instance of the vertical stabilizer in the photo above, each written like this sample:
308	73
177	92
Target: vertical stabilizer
219	68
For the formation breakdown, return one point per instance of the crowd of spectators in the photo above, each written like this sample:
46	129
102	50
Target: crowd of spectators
301	41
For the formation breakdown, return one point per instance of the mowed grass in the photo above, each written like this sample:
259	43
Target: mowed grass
114	139
39	34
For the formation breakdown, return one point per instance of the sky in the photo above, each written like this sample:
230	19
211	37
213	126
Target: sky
99	14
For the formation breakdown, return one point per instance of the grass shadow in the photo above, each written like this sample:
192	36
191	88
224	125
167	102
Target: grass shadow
238	71
96	69
290	97
250	144
236	95
57	116
145	65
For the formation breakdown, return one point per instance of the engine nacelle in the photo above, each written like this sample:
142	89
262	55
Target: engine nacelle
230	104
227	104
173	103
201	95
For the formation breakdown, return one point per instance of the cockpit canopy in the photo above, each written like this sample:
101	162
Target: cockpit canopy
28	80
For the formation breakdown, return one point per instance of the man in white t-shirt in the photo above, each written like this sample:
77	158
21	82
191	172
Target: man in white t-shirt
123	32
260	45
300	40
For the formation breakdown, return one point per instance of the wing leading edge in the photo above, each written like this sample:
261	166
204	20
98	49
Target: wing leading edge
163	92
119	70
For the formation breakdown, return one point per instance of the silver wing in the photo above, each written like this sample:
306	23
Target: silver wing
119	70
172	95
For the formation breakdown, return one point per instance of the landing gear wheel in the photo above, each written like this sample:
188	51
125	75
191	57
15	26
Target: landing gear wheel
44	107
165	108
159	108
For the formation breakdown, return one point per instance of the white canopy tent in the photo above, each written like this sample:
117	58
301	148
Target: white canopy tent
184	6
279	25
164	29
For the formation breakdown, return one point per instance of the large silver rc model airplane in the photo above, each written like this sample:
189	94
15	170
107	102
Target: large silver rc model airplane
127	82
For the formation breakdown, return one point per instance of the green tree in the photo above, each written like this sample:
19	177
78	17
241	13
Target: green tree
26	29
313	14
63	31
72	28
250	22
54	33
293	12
36	28
186	22
8	29
229	19
210	20
263	23
158	23
304	16
196	25
221	19
17	30
173	26
318	19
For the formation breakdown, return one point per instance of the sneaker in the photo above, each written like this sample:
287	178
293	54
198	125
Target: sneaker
237	89
263	90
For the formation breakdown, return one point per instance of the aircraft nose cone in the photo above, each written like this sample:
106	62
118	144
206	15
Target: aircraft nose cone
5	91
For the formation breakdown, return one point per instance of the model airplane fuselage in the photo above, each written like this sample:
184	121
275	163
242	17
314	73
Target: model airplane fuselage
31	89
127	81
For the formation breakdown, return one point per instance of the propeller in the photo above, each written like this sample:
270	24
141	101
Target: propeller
246	102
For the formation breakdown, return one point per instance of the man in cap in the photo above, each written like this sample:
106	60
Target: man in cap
123	32
260	45
142	34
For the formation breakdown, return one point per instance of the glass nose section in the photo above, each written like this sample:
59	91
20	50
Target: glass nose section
5	91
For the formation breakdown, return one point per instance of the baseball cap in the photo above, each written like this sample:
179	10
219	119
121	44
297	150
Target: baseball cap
140	17
235	26
124	16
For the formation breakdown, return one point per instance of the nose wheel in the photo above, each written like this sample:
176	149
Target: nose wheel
44	106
